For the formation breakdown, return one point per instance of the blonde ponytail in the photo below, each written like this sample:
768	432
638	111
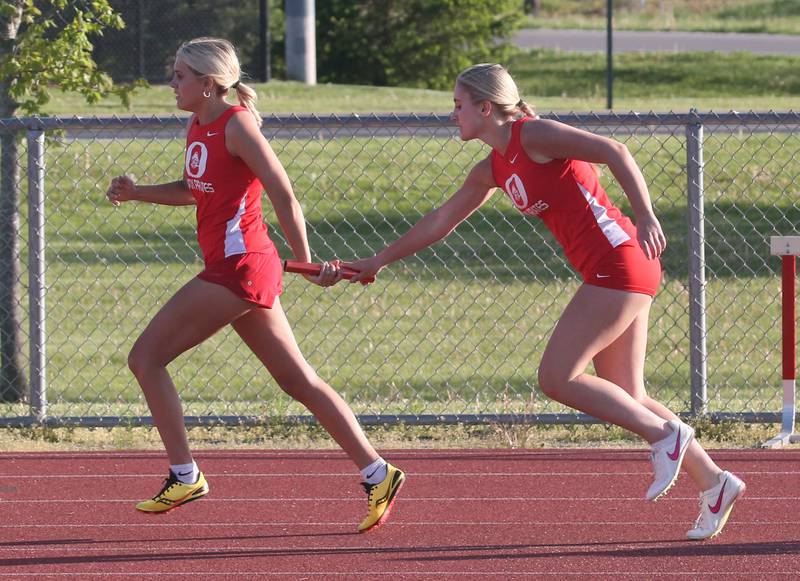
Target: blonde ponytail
526	109
247	98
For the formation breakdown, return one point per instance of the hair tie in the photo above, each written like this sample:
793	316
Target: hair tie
236	84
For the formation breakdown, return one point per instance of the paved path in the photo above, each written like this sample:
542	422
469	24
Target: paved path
626	41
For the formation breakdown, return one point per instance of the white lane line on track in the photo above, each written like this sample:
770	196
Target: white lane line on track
393	524
338	454
415	474
407	499
173	550
760	574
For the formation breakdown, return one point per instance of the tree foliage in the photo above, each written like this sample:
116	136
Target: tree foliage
53	47
43	44
418	43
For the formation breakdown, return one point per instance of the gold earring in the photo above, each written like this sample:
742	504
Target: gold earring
206	94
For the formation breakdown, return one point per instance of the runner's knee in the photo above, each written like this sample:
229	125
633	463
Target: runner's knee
301	387
142	360
551	380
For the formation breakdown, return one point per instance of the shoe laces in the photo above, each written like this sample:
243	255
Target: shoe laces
169	482
368	488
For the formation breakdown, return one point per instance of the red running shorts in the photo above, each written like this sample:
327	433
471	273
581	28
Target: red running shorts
626	268
254	276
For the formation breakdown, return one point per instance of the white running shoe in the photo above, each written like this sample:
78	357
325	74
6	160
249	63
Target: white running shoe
715	507
667	456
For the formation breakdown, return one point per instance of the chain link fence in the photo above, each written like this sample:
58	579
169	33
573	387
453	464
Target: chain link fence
451	335
145	47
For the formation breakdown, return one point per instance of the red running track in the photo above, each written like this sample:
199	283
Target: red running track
491	514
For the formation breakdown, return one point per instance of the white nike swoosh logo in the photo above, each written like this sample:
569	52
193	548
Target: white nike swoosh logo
513	159
210	134
602	275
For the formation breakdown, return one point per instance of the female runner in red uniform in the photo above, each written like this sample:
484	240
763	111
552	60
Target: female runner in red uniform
545	168
228	162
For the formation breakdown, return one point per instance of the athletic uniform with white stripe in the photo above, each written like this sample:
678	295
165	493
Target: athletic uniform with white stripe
233	238
598	240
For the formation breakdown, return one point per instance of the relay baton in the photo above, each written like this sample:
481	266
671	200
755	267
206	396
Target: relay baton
314	268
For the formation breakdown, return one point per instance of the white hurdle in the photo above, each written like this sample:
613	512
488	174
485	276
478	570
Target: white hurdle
788	248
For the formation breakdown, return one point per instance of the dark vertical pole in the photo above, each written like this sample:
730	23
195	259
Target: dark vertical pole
142	62
609	55
264	72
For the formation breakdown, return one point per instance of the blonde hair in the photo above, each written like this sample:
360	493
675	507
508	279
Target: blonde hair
492	82
216	58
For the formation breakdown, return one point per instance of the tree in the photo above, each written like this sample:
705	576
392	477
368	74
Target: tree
42	44
417	43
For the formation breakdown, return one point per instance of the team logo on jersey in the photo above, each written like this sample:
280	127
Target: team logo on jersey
196	158
516	191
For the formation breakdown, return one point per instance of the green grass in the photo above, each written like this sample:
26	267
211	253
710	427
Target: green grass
280	97
551	80
763	16
662	81
457	330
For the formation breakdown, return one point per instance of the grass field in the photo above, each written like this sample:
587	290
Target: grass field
767	16
550	80
457	330
461	334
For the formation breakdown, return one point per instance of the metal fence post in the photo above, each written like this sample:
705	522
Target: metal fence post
36	267
115	253
697	268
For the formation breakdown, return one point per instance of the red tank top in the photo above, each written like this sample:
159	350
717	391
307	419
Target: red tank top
568	197
227	193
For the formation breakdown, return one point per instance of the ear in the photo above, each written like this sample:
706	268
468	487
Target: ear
486	108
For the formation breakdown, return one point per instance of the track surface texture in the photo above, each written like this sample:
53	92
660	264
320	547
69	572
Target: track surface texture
462	514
